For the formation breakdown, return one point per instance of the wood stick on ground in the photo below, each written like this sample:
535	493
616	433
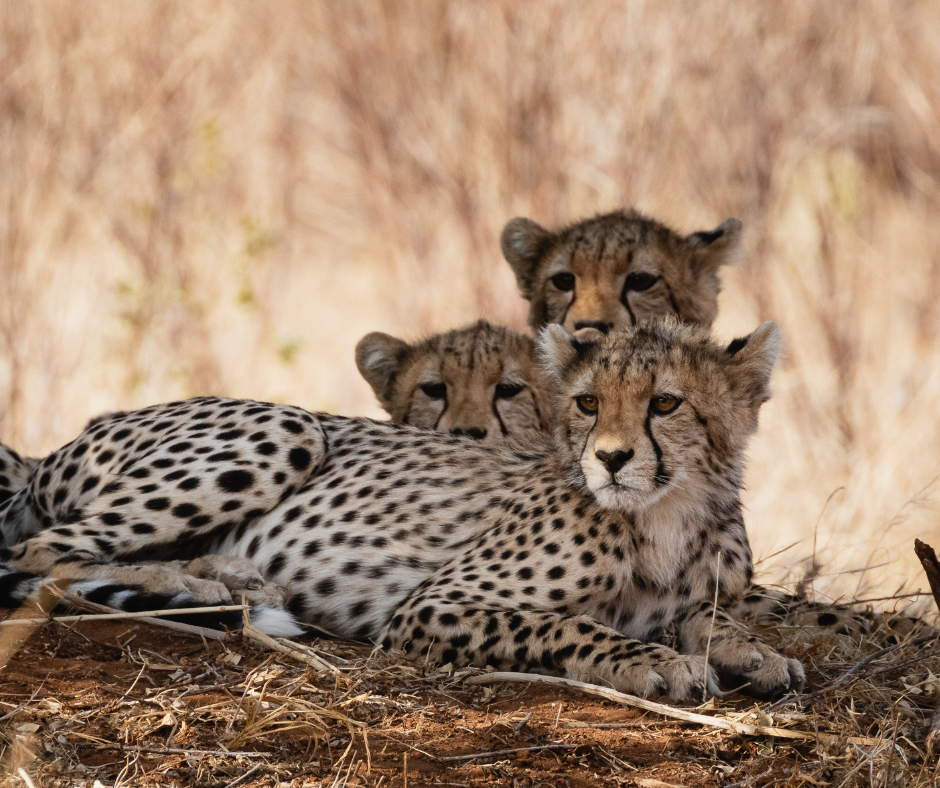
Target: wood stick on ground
928	559
119	614
188	629
670	711
178	751
473	755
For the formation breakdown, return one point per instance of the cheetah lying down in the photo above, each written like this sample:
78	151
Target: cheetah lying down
566	553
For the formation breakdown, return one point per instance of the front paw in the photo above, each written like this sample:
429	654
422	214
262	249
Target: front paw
766	673
664	671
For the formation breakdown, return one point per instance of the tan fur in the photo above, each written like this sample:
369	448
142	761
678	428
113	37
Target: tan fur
627	269
481	380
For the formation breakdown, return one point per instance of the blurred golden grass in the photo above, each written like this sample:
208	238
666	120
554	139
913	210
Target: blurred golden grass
222	197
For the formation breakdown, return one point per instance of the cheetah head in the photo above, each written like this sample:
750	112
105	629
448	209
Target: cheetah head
617	270
657	410
483	381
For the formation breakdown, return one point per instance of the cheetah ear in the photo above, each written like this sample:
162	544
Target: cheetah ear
524	243
750	362
379	357
718	247
558	350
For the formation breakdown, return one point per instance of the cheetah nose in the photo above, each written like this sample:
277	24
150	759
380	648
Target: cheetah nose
614	460
597	325
474	432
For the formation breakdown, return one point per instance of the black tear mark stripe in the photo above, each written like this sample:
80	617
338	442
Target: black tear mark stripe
499	418
574	294
586	439
443	411
669	295
661	478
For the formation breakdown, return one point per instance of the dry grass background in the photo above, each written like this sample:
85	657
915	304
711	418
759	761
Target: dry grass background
222	197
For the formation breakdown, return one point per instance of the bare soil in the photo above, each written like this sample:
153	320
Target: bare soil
125	703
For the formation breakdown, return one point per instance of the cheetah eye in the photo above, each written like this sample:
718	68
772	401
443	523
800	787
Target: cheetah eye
587	404
640	281
507	390
435	390
563	282
664	403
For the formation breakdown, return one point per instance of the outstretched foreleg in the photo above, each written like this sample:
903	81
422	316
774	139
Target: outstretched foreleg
737	654
576	647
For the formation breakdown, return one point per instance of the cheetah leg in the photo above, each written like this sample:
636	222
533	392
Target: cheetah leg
737	654
576	647
38	557
765	607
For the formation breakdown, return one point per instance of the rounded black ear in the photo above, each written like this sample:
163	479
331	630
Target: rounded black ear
524	243
557	349
751	359
717	247
379	357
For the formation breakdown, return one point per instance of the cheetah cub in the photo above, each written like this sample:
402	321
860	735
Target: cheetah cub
618	269
566	553
481	380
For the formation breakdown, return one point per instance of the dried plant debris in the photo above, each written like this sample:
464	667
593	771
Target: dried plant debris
121	703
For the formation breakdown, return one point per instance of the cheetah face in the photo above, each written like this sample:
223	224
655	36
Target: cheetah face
482	381
645	414
617	270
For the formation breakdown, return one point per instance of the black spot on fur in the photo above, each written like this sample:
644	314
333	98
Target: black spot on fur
235	481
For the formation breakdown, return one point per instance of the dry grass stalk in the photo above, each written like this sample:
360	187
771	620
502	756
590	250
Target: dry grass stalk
294	650
669	711
177	626
119	614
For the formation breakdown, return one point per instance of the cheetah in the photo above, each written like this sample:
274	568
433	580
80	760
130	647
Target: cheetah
618	269
462	367
566	552
481	380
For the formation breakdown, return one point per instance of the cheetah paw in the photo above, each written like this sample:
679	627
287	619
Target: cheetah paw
237	574
768	674
680	676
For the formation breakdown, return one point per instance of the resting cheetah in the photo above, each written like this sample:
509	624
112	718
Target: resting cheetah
566	553
618	269
465	365
481	380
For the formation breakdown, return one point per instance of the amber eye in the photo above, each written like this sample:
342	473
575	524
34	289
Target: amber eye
563	281
435	390
640	281
664	403
507	390
587	404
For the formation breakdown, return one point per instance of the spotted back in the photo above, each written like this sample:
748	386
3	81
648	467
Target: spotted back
481	380
618	269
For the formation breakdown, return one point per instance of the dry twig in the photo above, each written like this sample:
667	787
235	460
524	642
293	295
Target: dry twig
668	711
474	755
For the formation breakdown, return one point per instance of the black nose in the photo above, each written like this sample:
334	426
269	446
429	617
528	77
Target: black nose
614	460
474	432
600	325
